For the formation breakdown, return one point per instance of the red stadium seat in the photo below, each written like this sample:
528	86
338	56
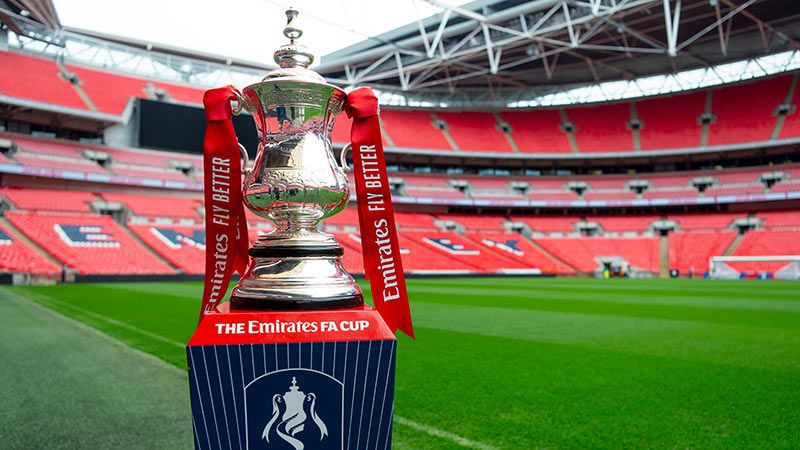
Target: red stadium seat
581	252
15	256
671	122
602	128
477	222
183	247
537	131
414	129
458	247
48	199
745	112
36	79
475	131
89	244
766	243
110	92
693	250
157	205
522	250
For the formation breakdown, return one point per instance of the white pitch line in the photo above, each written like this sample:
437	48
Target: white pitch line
436	432
460	440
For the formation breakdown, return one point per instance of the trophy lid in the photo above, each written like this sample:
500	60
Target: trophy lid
293	59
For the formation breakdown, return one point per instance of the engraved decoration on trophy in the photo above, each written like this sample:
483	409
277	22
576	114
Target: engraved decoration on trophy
295	182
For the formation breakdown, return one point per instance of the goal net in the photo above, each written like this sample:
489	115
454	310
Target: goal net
785	267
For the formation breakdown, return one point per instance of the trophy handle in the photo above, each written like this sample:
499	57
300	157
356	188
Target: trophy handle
245	158
343	157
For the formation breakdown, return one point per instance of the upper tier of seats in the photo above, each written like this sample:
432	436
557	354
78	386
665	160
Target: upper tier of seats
741	113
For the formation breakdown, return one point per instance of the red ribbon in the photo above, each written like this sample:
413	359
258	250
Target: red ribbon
379	243
226	226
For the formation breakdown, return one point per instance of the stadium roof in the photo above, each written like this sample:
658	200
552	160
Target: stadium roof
484	54
519	44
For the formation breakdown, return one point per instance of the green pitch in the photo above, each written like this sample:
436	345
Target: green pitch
520	363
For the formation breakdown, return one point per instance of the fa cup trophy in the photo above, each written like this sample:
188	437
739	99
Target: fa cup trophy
295	181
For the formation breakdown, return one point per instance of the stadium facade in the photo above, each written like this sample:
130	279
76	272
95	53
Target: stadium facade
539	137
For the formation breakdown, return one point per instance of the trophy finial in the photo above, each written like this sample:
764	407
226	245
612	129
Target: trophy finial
290	31
293	54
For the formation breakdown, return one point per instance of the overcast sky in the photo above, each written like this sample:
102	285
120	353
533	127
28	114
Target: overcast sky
243	29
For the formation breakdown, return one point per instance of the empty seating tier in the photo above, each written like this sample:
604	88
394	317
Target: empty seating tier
157	205
475	131
36	79
414	129
184	247
691	251
89	244
745	112
537	131
583	253
602	128
48	199
15	256
671	122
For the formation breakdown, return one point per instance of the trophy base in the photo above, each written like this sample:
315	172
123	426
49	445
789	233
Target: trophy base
296	278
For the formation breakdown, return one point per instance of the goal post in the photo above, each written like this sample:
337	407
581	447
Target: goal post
718	266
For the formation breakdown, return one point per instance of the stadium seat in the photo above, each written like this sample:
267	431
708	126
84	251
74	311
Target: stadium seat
602	128
476	222
90	244
157	205
15	256
766	243
43	146
110	92
581	252
778	219
183	247
624	223
537	131
547	224
413	129
517	247
705	221
36	79
791	125
423	258
475	131
411	220
745	112
468	252
48	199
671	122
693	250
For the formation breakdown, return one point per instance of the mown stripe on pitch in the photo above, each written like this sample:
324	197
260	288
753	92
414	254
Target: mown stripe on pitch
764	301
726	287
735	345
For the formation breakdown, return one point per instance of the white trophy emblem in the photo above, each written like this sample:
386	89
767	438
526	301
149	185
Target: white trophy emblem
293	408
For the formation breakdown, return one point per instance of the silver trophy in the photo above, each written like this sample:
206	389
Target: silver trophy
295	181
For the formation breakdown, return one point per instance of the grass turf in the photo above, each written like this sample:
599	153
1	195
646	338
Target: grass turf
557	363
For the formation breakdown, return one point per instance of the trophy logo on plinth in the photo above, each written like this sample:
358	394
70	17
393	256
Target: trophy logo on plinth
295	181
296	409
